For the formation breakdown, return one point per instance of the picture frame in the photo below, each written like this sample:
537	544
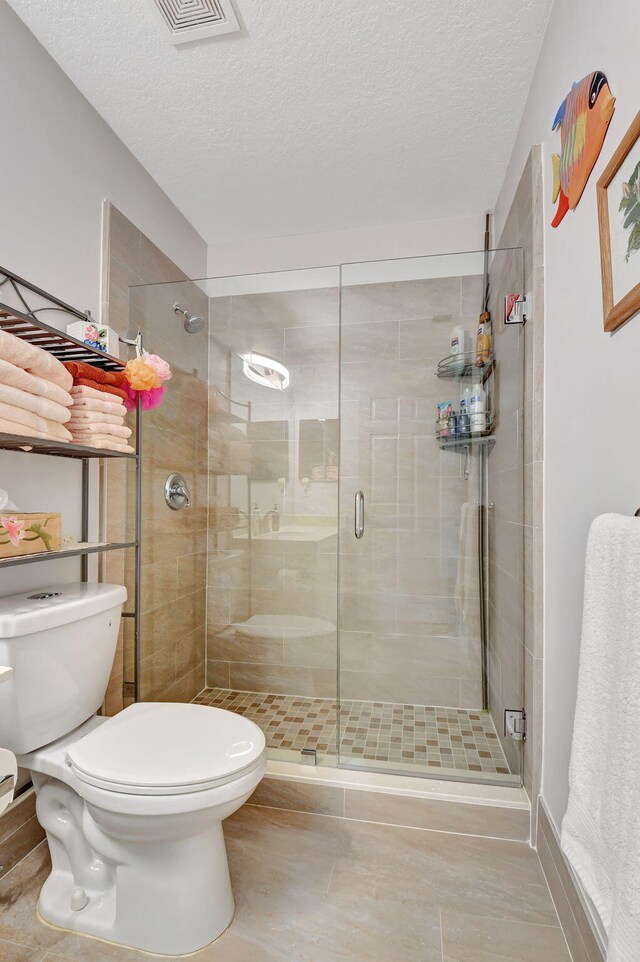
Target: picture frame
618	195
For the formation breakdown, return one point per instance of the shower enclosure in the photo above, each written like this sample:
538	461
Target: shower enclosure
364	573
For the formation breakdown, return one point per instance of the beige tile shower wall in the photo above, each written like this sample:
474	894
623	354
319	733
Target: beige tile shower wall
261	576
409	592
515	541
174	438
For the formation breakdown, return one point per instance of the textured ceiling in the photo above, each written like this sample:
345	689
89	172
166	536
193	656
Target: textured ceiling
319	115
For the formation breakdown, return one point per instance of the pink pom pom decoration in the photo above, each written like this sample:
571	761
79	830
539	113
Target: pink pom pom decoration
160	366
150	398
130	401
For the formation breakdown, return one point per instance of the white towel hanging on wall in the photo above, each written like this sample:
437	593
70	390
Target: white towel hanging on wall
601	828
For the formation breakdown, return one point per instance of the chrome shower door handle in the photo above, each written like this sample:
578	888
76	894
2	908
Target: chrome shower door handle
359	514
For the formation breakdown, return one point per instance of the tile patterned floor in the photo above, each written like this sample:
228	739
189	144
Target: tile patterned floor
315	889
378	732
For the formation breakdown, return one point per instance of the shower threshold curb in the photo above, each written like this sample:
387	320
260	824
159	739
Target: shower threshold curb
500	796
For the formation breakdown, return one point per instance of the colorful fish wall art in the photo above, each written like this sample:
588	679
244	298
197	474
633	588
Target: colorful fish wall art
583	118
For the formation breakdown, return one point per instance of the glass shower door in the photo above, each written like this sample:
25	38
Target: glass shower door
415	679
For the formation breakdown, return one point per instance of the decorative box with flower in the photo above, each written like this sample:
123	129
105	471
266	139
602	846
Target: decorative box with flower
99	336
29	533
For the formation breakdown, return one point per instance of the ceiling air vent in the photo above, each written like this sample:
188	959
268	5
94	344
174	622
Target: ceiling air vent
196	19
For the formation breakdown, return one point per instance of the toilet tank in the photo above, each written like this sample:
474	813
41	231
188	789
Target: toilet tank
60	643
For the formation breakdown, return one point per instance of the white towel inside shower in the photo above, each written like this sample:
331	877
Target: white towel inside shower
601	829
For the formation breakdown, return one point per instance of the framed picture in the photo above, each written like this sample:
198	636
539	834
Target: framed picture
619	217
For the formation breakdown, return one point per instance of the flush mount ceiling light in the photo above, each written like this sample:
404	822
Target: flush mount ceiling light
265	371
196	19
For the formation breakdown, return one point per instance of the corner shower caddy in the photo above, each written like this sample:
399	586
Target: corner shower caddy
451	368
26	325
448	369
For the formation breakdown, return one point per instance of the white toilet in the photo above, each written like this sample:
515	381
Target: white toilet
132	805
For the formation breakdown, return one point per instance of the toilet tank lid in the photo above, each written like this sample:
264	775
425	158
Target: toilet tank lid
44	608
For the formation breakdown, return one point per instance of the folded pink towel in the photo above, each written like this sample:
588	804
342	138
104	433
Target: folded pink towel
39	405
32	384
33	422
82	416
86	408
34	360
114	444
14	427
91	400
100	427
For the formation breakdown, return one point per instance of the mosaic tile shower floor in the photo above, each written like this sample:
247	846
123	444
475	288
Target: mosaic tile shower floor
380	732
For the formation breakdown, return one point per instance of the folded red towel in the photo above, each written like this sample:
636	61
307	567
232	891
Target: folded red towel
79	370
103	388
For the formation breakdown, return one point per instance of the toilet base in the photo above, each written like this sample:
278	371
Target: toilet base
52	910
156	882
96	938
177	915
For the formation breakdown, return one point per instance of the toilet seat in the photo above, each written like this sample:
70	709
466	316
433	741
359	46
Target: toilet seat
167	749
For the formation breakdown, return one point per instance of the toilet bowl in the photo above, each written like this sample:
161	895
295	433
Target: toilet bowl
132	805
133	808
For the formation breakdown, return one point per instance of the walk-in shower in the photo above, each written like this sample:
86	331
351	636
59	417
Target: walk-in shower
364	586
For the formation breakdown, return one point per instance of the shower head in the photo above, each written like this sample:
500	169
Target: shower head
193	323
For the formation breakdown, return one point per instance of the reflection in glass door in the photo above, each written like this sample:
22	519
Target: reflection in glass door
425	661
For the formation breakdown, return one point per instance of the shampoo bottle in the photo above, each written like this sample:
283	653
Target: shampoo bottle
458	348
478	409
487	345
483	339
478	402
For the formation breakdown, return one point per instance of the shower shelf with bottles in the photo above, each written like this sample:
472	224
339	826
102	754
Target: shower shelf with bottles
463	444
463	369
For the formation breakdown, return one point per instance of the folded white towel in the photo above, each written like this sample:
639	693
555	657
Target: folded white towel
81	416
17	351
35	403
32	384
33	422
100	427
14	427
601	828
86	398
113	444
